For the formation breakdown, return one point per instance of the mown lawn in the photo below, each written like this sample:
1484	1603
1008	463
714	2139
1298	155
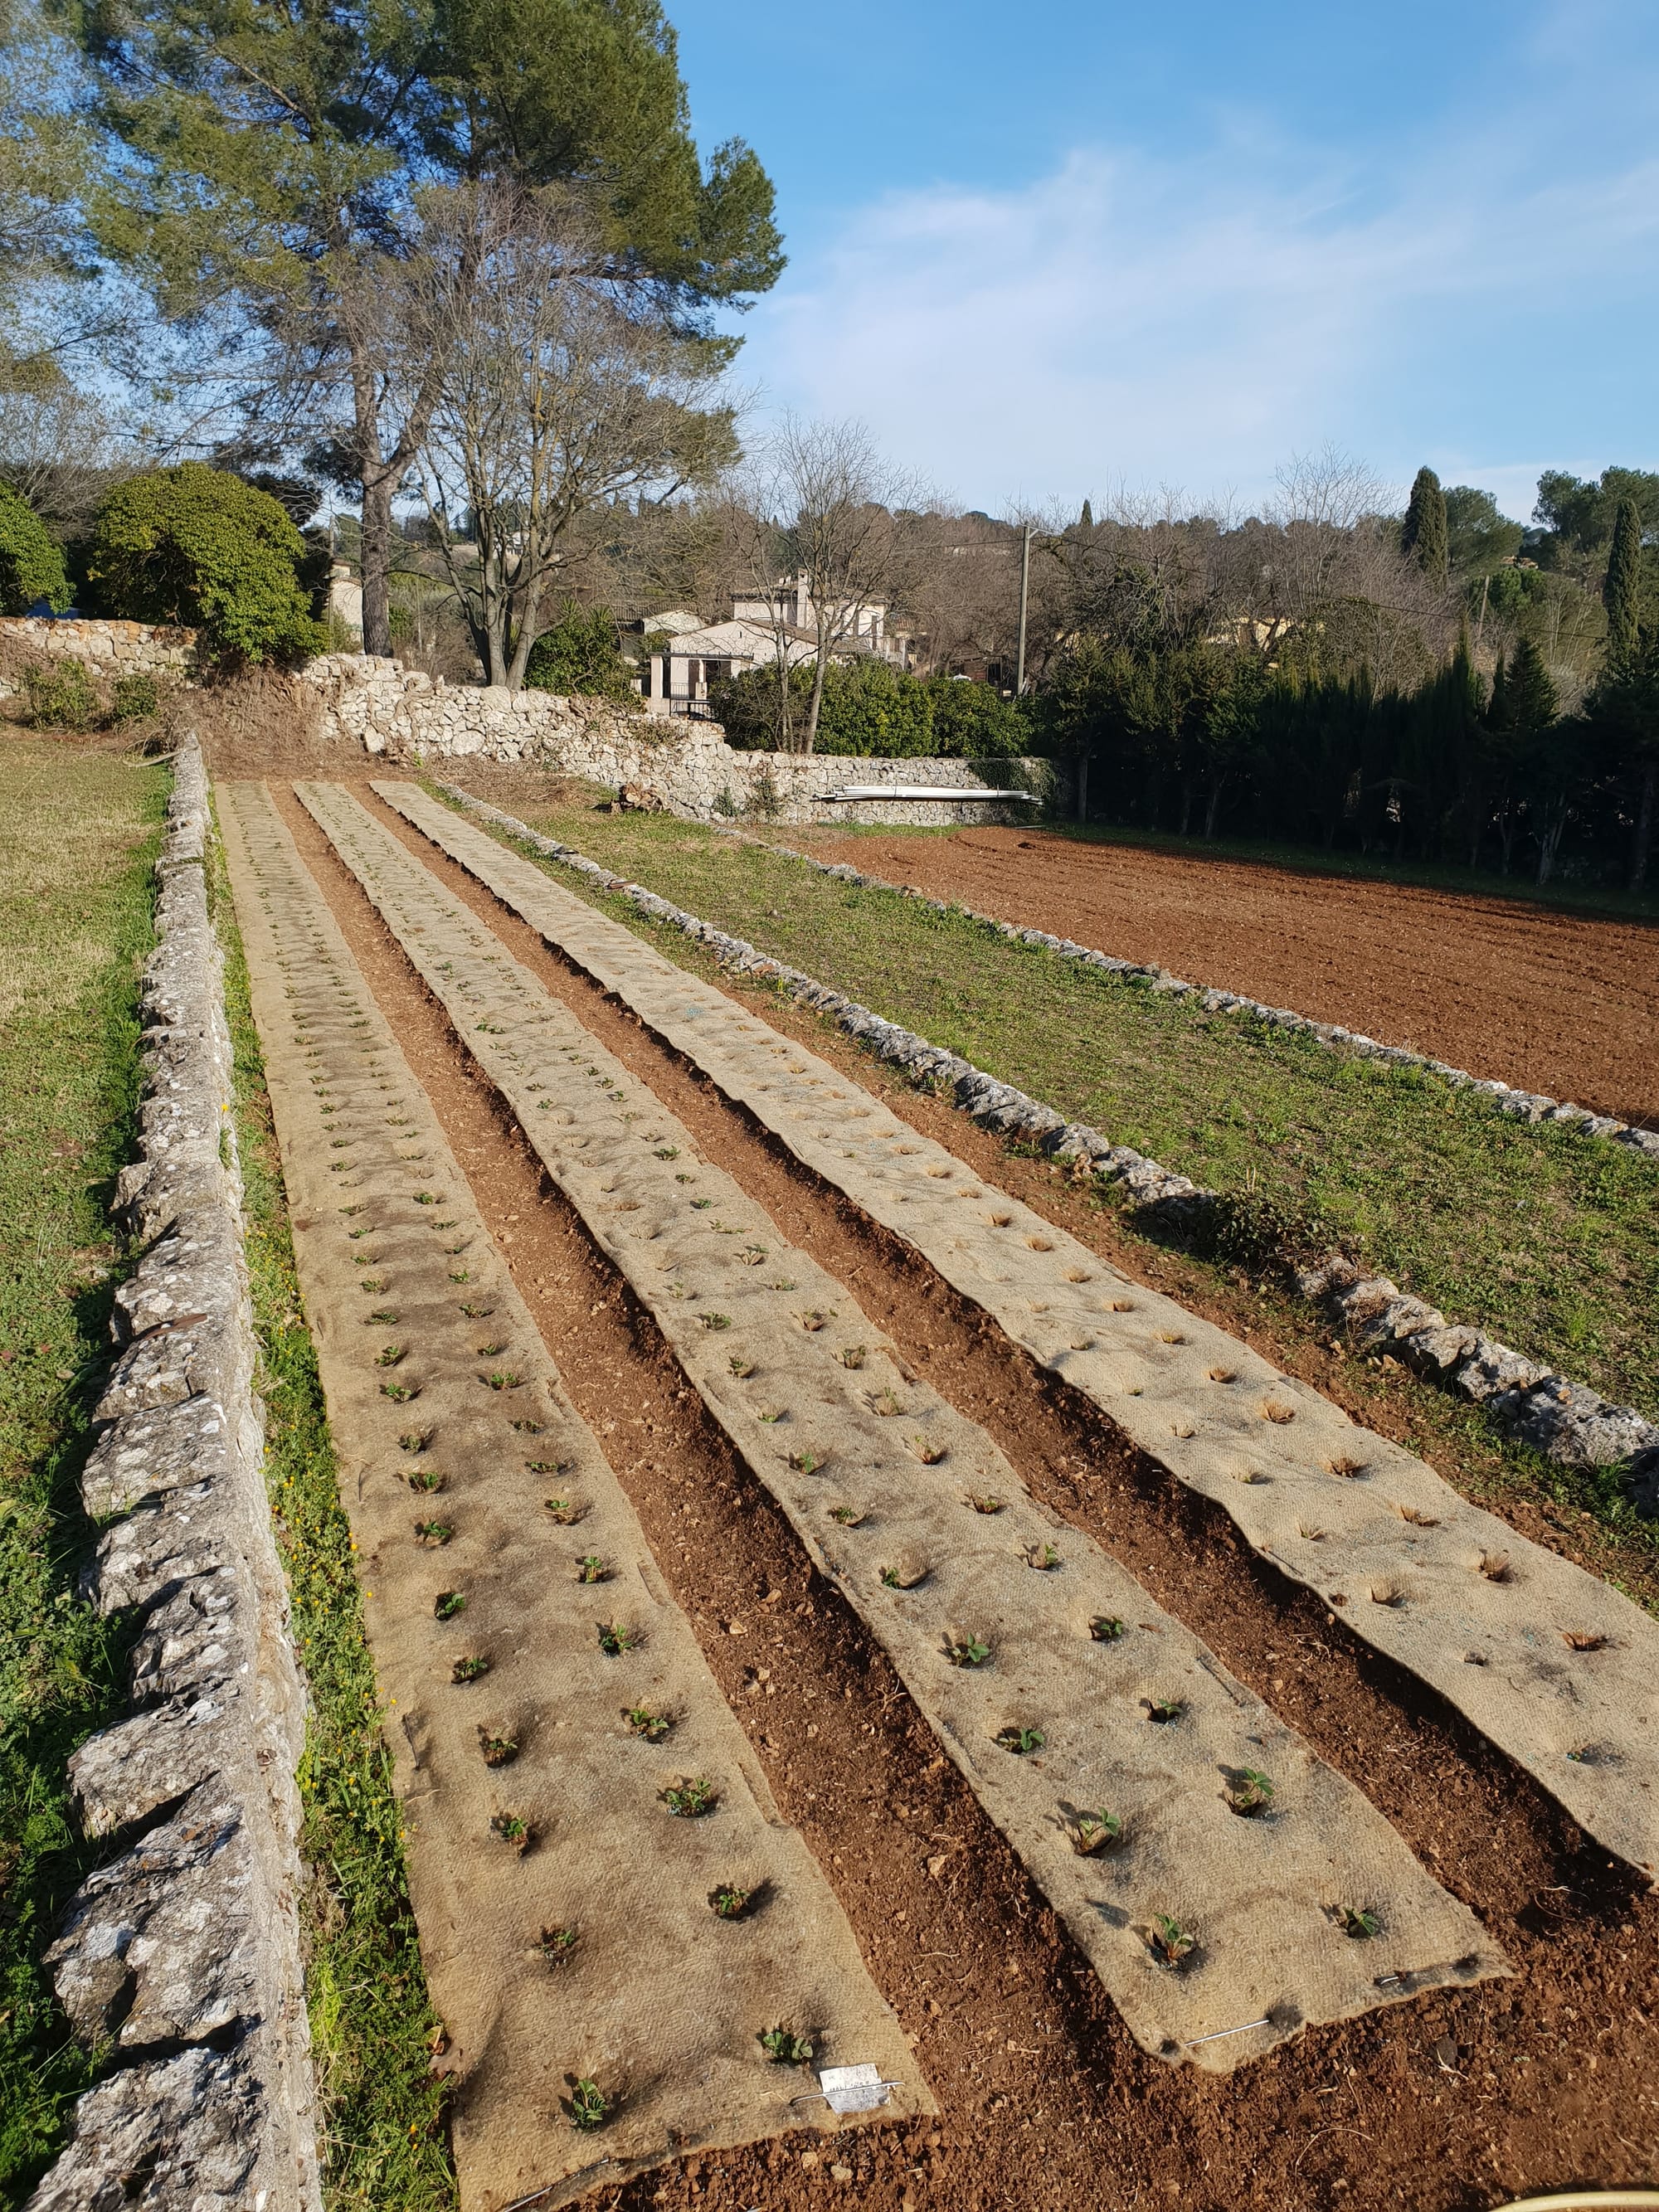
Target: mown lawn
78	831
374	2031
1548	1240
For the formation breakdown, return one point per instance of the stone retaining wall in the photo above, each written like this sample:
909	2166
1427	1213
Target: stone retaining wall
182	1955
1566	1421
681	767
104	648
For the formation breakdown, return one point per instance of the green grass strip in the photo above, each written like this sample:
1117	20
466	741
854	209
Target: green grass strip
78	833
374	2030
1547	1239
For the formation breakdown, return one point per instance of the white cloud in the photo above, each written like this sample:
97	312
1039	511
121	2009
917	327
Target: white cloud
1191	322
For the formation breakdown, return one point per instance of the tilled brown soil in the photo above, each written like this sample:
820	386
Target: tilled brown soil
1448	2101
1544	1001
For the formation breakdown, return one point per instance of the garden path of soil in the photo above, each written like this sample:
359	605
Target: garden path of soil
1451	2102
1544	1001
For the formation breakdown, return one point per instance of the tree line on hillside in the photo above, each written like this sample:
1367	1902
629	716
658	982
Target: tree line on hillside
452	274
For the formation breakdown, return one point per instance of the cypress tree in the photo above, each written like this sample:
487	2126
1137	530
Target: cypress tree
1423	533
1086	519
1622	592
1530	697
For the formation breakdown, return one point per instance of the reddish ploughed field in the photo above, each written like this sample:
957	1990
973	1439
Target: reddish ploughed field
1548	1002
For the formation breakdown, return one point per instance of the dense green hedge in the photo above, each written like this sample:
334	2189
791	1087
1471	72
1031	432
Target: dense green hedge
874	710
195	545
31	563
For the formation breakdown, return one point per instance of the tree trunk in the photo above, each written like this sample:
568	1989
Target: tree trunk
1642	840
1186	805
817	699
376	560
1549	844
1214	806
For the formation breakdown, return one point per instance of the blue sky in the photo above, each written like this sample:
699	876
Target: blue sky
1054	250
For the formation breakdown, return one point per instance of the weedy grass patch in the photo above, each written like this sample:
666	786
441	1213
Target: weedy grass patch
78	834
373	2027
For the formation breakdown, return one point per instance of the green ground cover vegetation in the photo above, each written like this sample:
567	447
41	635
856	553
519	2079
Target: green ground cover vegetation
1548	1239
374	2031
77	833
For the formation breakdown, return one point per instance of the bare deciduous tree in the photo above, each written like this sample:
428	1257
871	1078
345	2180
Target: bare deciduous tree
824	508
559	390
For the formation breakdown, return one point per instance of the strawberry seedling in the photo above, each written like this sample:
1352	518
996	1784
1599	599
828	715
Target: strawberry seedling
414	1440
643	1722
588	2107
690	1801
1106	1628
557	1944
1020	1741
1170	1941
399	1392
503	1379
497	1750
592	1569
1167	1710
909	1574
667	1152
1043	1557
527	1428
1359	1923
615	1638
471	1666
477	1312
987	1502
698	1205
383	1319
513	1829
1253	1793
886	1403
567	1511
971	1652
730	1904
716	1321
784	2048
390	1355
436	1532
427	1478
742	1368
852	1355
806	1462
929	1454
848	1515
447	1604
813	1321
1096	1832
491	1351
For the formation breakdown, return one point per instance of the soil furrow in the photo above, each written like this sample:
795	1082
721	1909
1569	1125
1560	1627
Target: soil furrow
1552	1666
1040	2091
566	1916
1113	1750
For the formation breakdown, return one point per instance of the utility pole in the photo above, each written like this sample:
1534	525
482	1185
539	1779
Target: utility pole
1024	586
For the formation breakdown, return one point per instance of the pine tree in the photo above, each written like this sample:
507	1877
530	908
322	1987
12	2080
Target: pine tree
1086	519
1423	533
1622	592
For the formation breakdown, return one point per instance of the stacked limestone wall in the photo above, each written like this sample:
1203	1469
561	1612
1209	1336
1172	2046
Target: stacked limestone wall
106	649
685	767
181	1956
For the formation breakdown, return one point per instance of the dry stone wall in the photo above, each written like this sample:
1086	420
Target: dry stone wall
182	1955
103	648
680	767
1567	1421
